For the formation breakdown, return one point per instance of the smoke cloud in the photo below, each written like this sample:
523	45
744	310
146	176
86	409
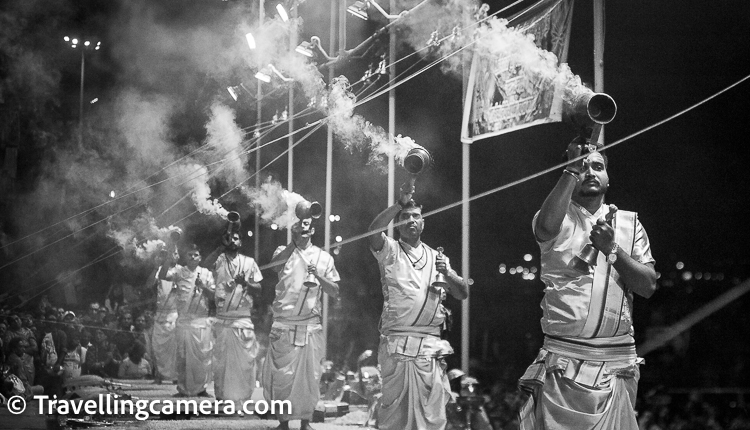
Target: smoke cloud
275	204
354	132
170	63
225	137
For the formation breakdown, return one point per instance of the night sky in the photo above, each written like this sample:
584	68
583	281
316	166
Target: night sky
687	179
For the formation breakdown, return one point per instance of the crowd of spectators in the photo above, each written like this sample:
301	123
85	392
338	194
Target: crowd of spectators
44	346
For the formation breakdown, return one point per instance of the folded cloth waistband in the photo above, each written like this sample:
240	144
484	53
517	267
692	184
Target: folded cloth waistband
228	320
197	322
414	331
230	317
307	320
617	348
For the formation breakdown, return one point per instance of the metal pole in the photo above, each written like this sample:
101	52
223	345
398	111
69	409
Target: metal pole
599	52
80	100
465	173
257	143
465	256
290	113
391	116
329	178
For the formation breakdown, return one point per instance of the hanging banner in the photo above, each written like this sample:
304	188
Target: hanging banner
510	83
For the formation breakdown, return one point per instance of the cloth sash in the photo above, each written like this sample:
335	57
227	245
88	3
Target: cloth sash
408	340
228	320
233	302
607	297
303	306
414	331
298	327
620	348
194	305
430	307
567	393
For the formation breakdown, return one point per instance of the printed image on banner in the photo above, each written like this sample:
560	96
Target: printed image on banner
503	94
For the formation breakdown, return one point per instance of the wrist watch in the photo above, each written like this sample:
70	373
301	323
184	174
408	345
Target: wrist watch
612	256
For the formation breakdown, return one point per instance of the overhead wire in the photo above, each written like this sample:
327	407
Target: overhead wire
203	148
530	177
535	175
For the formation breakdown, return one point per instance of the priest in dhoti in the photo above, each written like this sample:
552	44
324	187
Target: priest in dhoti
292	370
193	295
162	342
411	354
594	258
237	280
162	345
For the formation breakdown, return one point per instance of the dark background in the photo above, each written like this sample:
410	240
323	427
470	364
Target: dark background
687	178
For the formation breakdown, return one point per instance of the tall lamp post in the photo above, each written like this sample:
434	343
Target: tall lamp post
82	45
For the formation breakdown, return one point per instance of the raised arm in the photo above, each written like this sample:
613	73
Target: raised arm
210	261
556	204
381	221
279	260
169	262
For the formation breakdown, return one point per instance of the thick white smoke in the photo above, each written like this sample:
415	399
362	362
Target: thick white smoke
456	22
194	179
354	132
275	204
224	136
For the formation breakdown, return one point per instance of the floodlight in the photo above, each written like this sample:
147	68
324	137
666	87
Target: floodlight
305	48
358	9
263	75
279	74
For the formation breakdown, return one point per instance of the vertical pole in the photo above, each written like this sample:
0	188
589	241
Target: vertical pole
465	161
599	52
80	99
329	164
257	143
290	113
465	174
391	115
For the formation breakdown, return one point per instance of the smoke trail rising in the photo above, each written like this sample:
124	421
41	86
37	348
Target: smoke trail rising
141	237
193	178
355	132
225	136
493	38
275	204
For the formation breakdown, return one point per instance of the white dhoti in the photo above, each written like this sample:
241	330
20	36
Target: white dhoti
570	392
415	391
235	350
163	345
292	372
193	358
